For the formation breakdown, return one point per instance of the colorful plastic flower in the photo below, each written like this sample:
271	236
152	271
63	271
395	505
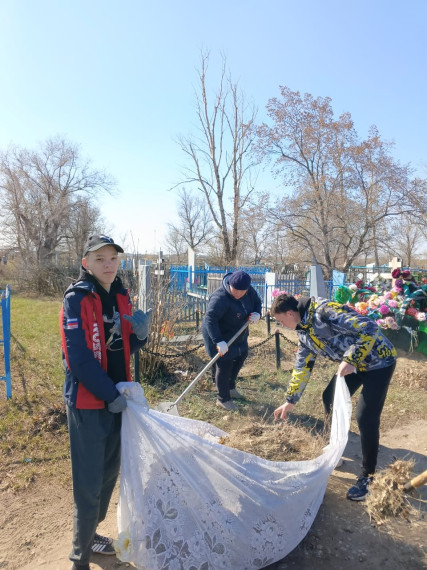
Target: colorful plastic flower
361	307
276	292
412	312
390	323
384	309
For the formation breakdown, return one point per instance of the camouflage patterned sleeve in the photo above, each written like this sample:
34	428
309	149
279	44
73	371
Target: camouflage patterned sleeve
360	328
304	363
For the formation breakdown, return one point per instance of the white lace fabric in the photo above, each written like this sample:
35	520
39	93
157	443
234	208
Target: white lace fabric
189	503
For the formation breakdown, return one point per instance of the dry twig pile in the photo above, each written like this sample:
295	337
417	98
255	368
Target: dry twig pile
386	497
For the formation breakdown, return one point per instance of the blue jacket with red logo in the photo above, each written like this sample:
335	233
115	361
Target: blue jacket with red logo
87	384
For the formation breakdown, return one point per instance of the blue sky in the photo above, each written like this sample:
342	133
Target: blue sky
118	78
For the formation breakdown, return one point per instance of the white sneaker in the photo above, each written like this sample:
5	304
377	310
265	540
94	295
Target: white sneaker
229	405
235	394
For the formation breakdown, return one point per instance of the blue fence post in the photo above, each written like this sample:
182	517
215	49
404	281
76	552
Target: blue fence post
5	341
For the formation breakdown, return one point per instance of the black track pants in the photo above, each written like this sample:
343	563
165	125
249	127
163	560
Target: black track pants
368	411
226	372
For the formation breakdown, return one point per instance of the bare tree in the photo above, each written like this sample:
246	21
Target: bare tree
41	191
84	218
344	191
219	156
176	244
257	231
405	238
195	221
417	199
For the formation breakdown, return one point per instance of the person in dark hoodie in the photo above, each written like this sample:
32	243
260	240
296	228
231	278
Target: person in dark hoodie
366	359
229	307
98	334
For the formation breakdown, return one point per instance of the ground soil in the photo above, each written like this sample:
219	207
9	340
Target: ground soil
35	524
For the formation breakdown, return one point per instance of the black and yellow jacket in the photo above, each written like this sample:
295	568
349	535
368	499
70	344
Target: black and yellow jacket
339	333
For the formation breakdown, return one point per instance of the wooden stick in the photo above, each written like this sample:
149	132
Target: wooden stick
416	481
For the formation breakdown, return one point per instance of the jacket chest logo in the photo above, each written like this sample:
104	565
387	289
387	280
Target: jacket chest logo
96	342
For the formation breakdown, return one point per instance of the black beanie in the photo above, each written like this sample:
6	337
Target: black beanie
240	280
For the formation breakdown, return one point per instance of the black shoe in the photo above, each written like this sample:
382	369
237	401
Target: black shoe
360	490
103	545
80	566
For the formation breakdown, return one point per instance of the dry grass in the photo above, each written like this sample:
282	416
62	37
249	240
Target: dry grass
411	376
278	442
387	497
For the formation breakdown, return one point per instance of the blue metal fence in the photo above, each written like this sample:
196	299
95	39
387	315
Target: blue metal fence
5	339
195	279
193	282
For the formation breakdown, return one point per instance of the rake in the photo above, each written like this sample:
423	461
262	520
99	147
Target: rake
171	407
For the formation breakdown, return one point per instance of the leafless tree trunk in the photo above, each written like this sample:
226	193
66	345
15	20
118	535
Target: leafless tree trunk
219	155
405	239
344	191
42	191
257	231
417	199
84	218
176	245
195	221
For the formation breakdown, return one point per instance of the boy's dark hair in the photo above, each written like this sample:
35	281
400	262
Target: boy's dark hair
283	303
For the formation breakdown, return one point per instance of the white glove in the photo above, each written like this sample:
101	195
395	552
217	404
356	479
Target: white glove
222	347
254	317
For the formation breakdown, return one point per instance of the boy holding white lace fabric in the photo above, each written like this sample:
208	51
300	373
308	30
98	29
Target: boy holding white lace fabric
99	334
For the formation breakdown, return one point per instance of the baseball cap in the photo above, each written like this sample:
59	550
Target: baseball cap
95	242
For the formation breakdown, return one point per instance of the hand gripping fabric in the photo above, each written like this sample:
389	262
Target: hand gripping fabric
187	501
117	405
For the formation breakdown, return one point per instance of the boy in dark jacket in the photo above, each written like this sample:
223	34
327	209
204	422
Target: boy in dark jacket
230	306
366	359
98	334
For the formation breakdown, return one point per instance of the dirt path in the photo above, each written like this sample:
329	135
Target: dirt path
35	526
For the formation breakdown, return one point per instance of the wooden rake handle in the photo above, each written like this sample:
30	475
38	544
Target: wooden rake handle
210	363
417	481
